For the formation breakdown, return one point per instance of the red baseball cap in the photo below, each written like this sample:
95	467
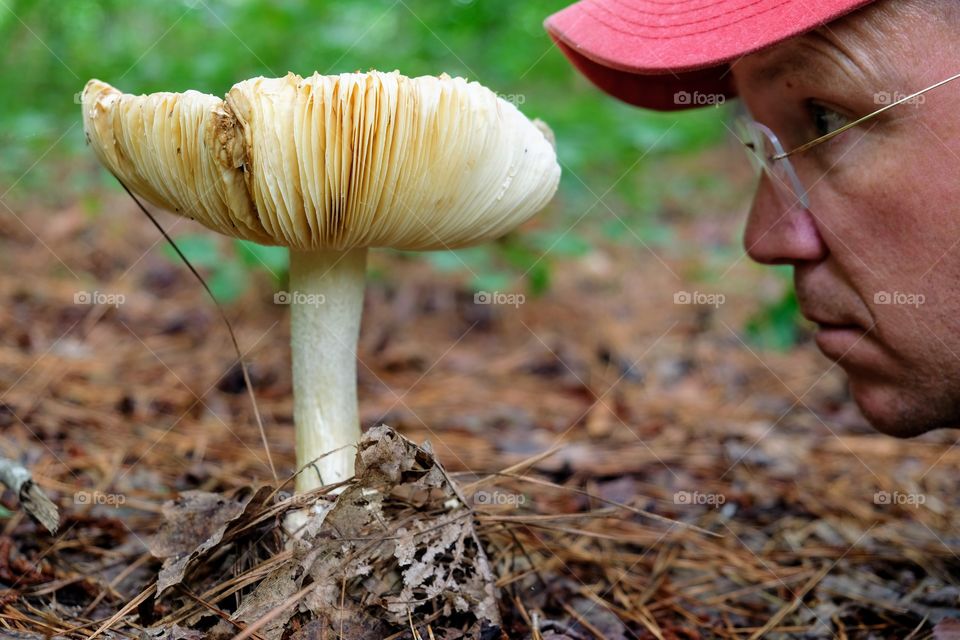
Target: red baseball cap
649	52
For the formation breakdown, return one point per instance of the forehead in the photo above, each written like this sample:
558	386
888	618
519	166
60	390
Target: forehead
870	45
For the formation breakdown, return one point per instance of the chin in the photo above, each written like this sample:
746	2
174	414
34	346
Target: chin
895	412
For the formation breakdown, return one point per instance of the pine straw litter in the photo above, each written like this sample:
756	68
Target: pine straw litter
601	463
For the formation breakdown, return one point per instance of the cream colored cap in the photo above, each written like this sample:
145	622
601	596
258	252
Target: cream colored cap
355	160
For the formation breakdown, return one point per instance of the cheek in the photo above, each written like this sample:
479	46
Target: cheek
890	215
894	205
909	235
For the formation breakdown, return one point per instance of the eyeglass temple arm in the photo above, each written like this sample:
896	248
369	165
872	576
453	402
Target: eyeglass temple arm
858	121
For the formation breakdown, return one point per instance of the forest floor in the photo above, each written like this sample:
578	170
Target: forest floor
823	527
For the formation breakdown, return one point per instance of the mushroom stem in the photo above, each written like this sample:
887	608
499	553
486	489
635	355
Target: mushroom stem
326	299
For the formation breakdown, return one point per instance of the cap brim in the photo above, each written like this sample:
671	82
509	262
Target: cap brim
648	52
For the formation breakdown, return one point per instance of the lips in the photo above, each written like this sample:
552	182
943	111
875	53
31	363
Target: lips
845	326
827	323
837	326
836	334
846	341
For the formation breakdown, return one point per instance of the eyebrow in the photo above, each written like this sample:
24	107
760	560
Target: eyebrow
805	61
846	56
784	65
779	63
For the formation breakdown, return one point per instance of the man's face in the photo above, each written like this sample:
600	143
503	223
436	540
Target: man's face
877	255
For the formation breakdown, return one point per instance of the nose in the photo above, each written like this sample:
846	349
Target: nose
781	231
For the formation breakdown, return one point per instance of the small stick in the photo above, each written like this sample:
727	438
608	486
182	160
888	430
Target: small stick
599	635
32	498
791	606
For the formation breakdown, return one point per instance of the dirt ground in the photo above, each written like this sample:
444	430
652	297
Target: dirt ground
824	528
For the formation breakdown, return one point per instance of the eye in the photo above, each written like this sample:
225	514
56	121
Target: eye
824	119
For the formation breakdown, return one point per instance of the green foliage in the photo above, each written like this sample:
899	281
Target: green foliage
647	231
515	258
777	324
622	177
229	267
275	260
54	46
201	250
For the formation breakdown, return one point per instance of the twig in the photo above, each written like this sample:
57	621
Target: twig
117	580
223	315
797	599
32	498
216	610
127	608
596	633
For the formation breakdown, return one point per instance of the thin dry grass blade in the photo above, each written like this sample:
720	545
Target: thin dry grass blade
797	600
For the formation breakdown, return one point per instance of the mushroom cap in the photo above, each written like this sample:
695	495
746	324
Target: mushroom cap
354	160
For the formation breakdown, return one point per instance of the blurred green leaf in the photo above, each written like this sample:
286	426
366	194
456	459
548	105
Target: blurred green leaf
561	242
492	281
228	281
650	232
91	204
528	260
609	151
452	261
777	325
200	250
275	260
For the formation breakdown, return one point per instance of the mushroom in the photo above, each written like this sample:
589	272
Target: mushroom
330	166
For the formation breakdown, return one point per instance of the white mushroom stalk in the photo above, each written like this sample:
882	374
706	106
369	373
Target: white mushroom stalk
323	342
330	166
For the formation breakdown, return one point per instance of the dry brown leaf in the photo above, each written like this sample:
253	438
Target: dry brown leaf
194	524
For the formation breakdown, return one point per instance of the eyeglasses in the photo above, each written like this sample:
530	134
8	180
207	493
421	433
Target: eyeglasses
768	155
